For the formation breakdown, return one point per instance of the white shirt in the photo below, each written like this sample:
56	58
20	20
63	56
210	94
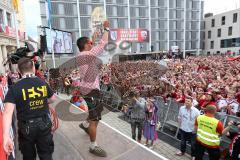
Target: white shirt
234	105
222	104
187	118
195	102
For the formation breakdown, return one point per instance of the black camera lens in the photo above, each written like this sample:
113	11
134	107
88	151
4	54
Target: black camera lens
238	114
236	123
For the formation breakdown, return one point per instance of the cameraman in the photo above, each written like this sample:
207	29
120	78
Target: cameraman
30	96
234	148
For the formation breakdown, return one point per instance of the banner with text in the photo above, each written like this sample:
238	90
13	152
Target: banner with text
131	35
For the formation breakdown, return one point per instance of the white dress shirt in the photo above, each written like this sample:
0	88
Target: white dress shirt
187	118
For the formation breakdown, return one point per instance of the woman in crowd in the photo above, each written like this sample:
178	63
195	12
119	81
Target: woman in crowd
150	123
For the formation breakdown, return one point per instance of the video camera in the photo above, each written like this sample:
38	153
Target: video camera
25	51
236	123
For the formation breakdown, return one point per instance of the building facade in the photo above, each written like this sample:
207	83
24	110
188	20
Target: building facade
170	22
222	33
8	42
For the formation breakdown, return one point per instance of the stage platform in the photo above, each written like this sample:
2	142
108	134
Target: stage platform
72	143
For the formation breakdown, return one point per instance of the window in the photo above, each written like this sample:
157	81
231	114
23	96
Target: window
162	13
74	9
209	34
179	14
55	22
179	25
212	44
109	10
83	9
173	25
70	23
75	23
219	32
222	43
179	4
114	11
195	5
1	17
137	12
213	22
61	9
223	20
142	12
84	23
122	23
62	23
162	24
68	9
233	42
142	2
161	3
120	11
238	42
235	15
154	3
229	31
194	15
9	19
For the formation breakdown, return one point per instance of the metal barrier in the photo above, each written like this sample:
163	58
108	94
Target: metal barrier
168	117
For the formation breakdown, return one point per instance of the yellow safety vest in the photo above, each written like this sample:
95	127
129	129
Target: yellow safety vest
206	132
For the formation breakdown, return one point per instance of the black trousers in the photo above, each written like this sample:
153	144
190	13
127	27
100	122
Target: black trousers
67	89
35	136
214	153
188	136
137	125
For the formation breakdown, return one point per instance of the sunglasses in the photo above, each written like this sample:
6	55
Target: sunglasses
90	42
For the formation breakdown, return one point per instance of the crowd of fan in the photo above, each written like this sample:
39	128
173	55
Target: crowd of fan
143	76
212	79
205	78
208	79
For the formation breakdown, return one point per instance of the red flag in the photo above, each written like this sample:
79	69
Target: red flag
234	58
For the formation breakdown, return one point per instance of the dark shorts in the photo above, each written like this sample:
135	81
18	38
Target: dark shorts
95	107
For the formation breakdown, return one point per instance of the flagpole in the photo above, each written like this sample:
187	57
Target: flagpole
52	49
48	15
79	20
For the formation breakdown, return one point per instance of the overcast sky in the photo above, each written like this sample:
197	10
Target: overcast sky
219	6
32	17
32	12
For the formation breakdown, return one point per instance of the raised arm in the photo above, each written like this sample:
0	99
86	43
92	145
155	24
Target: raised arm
98	49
